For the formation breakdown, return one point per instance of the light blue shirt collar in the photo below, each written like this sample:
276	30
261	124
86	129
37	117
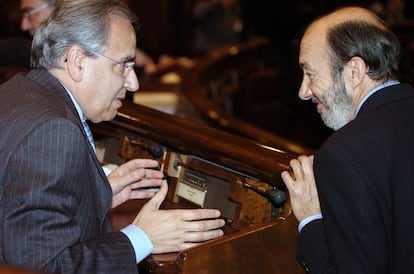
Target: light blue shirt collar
77	106
381	86
83	119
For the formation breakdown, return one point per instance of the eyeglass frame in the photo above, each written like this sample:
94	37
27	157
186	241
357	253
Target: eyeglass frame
127	65
30	12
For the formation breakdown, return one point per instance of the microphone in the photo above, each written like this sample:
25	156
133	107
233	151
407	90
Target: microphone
276	196
156	150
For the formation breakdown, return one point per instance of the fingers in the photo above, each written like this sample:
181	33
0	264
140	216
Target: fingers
200	219
287	178
185	240
142	174
136	175
145	184
157	199
135	164
297	169
307	165
142	194
302	187
134	178
201	236
199	214
182	231
301	168
142	163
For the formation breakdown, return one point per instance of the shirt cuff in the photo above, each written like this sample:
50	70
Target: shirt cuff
307	220
140	241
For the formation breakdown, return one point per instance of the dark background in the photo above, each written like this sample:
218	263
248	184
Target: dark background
167	27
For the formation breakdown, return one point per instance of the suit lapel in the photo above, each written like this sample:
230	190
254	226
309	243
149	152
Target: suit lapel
104	191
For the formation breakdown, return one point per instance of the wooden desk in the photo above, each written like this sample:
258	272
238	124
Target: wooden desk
207	167
6	269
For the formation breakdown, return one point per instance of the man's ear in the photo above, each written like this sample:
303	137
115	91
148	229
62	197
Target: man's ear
75	63
357	70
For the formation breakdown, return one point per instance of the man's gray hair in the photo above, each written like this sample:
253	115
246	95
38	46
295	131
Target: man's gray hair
85	23
51	2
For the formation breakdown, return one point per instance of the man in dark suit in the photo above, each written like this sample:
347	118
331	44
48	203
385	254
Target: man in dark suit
54	195
354	198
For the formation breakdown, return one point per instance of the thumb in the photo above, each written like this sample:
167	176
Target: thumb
155	202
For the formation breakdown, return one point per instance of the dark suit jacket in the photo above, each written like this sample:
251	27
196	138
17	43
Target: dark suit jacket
54	196
365	179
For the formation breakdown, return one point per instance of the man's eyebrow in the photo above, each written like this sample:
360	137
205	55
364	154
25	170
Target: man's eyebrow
128	59
25	9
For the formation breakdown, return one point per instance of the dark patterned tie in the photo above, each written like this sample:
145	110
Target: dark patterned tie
88	133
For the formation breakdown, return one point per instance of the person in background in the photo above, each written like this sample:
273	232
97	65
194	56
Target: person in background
218	24
33	13
16	50
54	195
353	198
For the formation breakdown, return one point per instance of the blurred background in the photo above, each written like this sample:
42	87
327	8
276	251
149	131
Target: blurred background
181	31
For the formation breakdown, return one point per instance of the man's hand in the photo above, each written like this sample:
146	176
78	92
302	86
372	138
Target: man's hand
177	229
302	187
127	179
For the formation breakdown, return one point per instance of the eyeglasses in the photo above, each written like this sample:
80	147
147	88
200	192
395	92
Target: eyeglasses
127	66
28	12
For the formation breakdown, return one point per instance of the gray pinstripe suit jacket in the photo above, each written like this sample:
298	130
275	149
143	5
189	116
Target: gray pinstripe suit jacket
54	197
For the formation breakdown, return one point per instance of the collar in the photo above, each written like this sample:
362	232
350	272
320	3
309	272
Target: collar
381	86
77	106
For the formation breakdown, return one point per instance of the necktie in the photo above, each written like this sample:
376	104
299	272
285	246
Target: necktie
88	133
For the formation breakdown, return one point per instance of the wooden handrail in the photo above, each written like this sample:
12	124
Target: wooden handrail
186	136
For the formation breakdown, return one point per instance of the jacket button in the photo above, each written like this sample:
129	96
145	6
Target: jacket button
305	267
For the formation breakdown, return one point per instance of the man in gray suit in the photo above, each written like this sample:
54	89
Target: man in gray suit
54	195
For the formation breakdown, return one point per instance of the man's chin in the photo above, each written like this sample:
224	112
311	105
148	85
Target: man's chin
108	116
112	116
